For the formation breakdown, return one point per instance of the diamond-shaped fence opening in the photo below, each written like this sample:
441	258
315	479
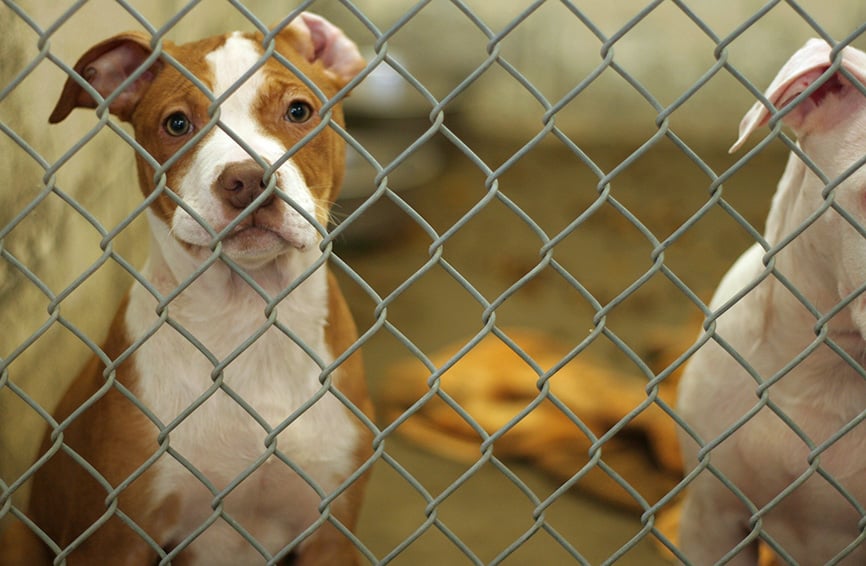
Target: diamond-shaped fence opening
537	206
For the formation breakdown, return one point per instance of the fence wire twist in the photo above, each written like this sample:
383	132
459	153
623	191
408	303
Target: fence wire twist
438	128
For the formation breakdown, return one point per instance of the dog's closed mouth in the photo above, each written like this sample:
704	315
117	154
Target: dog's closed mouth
250	240
258	239
850	336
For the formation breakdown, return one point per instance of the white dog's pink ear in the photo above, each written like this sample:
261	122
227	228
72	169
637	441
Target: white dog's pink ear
320	40
105	66
798	74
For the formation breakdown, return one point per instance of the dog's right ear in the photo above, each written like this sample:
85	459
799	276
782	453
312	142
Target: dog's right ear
105	66
832	101
321	41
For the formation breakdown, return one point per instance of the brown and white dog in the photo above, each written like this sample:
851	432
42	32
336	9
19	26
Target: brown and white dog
229	340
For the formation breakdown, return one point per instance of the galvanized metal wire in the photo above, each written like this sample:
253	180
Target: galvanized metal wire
436	260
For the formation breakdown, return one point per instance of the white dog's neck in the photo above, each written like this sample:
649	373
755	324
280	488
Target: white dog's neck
796	198
824	280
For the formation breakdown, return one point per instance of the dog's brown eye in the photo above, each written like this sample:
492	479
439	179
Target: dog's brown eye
299	112
178	124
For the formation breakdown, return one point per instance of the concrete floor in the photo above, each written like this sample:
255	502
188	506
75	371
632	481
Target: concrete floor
606	253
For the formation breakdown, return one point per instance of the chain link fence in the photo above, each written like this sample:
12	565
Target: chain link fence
505	188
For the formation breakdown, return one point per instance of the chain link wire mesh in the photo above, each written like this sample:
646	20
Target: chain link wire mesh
380	305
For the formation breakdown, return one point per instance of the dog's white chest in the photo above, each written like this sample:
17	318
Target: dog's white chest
255	438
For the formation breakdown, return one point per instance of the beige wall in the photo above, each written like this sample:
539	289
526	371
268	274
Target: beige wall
666	52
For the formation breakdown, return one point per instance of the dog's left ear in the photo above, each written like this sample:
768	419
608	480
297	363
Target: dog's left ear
832	101
106	66
317	39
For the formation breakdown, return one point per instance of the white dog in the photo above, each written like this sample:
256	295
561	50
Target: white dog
780	421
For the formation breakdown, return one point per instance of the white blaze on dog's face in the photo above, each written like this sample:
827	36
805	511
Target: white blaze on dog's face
219	171
215	183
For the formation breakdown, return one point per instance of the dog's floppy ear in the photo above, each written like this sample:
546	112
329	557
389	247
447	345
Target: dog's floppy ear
318	40
828	104
105	66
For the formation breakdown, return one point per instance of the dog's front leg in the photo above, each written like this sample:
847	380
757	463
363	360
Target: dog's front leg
710	527
19	546
326	548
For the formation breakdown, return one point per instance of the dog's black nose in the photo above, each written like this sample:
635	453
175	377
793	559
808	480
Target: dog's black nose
240	183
